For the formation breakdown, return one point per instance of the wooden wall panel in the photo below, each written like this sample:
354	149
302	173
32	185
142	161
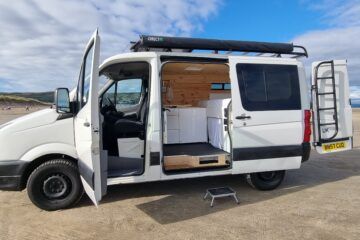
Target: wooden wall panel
189	89
186	87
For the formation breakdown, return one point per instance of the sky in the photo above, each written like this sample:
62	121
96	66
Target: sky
42	41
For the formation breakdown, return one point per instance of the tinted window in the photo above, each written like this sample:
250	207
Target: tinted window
269	87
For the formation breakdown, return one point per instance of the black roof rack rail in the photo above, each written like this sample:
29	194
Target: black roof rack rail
182	44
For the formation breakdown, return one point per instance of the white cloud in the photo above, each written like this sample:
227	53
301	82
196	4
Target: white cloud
340	40
355	92
42	41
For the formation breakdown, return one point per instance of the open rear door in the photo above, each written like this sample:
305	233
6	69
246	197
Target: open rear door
332	114
93	168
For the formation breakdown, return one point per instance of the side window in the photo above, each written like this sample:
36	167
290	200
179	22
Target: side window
109	97
128	93
86	76
102	81
220	86
265	87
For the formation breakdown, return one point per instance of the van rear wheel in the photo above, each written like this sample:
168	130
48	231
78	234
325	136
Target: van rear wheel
265	180
55	185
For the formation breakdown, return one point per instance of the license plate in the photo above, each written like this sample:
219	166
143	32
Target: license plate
329	147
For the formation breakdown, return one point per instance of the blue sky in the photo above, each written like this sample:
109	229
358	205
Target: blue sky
261	20
41	47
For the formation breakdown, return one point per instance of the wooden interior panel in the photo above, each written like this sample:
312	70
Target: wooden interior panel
182	86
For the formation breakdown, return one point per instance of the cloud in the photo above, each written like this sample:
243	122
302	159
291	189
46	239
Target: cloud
355	92
42	41
340	40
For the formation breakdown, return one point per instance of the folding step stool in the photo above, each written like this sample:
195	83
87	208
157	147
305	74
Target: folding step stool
220	193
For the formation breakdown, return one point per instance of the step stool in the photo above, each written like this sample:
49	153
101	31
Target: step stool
219	193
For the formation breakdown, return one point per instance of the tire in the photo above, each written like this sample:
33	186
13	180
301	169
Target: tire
55	185
265	181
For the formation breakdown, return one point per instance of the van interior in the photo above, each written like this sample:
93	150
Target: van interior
195	97
195	132
123	109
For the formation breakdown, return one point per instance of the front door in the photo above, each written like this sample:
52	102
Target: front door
267	120
93	169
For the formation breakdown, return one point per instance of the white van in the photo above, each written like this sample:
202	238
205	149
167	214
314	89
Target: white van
168	110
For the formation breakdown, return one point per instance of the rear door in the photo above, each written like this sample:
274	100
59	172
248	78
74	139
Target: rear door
93	172
332	113
266	109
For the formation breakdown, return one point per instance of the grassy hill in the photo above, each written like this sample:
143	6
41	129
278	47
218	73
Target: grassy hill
12	100
44	97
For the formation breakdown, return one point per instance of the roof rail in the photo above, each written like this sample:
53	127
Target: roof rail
181	44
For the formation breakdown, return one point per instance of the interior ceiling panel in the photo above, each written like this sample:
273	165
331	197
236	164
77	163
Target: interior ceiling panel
195	68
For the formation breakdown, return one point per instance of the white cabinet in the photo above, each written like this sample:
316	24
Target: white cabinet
185	125
173	136
171	133
218	136
192	125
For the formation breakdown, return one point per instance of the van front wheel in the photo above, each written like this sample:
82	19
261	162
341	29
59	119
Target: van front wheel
55	185
265	180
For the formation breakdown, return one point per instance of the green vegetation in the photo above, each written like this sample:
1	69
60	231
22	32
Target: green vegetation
10	100
44	97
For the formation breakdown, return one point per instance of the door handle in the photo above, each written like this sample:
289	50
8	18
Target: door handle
242	117
86	124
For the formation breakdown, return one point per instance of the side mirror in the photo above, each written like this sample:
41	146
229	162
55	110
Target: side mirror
62	100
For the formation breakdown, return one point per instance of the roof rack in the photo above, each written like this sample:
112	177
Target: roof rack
181	44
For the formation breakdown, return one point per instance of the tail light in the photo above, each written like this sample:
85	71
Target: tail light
307	130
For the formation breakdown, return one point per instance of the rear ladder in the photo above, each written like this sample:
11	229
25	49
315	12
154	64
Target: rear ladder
315	87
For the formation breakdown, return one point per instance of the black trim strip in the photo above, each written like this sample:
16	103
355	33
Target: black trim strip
154	158
12	168
86	173
254	153
334	140
11	172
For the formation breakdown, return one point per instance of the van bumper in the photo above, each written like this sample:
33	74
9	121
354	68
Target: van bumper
306	149
10	174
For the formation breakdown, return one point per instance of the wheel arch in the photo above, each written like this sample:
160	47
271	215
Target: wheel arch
40	160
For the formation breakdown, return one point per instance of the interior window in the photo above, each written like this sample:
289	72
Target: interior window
220	86
128	93
227	86
265	87
216	86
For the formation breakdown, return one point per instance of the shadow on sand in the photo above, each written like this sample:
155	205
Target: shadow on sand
181	200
